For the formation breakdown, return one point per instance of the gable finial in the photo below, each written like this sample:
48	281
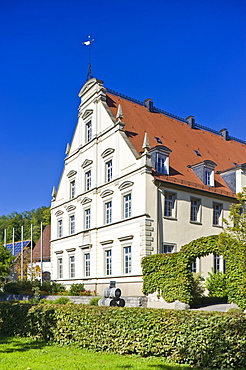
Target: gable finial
54	193
88	43
68	147
146	144
119	114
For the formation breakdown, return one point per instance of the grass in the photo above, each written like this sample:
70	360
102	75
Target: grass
28	354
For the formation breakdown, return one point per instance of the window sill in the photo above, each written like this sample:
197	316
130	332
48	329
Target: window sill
219	226
170	218
195	222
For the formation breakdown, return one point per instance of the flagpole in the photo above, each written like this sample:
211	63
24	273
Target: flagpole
5	237
31	253
22	253
41	253
13	252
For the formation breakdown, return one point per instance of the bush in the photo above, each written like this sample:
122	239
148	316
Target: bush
28	287
94	301
62	300
76	289
197	287
51	287
205	339
216	284
235	311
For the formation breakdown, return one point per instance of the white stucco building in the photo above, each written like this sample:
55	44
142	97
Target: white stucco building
137	181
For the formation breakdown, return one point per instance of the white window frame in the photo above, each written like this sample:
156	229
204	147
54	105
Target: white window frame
108	212
71	259
87	264
108	261
217	214
167	248
87	218
127	205
127	259
60	228
208	176
71	224
170	204
109	170
88	180
195	266
161	164
72	189
88	131
60	267
195	210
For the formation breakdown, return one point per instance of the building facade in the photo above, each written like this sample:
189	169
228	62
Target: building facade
137	181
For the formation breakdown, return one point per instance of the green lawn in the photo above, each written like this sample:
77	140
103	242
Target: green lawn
28	354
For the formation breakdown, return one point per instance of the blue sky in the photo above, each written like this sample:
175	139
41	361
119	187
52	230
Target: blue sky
189	56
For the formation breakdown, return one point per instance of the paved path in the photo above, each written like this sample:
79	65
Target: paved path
222	307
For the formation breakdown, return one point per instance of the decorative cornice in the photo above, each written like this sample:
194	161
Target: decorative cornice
106	193
70	249
59	213
86	163
124	238
107	242
70	208
125	184
86	200
107	152
71	173
87	113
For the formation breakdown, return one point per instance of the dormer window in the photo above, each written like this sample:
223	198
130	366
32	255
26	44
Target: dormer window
160	159
205	171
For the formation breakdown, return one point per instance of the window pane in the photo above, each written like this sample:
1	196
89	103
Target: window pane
72	266
60	228
195	203
72	189
88	180
72	224
169	205
127	206
127	260
167	248
108	214
87	264
87	218
109	171
108	262
88	131
60	268
216	214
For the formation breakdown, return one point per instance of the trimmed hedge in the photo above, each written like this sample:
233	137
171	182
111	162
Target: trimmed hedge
205	339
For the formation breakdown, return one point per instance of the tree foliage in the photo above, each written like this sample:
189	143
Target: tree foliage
6	260
17	220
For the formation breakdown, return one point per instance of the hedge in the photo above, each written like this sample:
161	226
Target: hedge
205	339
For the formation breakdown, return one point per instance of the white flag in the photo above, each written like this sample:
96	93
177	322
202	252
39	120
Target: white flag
87	42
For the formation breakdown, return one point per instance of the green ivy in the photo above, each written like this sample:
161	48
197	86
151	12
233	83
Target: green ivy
170	274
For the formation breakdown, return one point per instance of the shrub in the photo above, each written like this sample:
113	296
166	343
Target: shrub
94	301
51	287
235	310
76	289
62	300
197	286
205	339
216	284
20	287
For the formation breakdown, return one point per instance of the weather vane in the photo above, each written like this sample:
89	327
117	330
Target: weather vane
88	43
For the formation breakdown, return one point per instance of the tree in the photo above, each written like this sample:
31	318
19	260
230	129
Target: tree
6	261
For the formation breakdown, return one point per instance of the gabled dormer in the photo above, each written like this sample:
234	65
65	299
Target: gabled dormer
235	177
160	159
205	171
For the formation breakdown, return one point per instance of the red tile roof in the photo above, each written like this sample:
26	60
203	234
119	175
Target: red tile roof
183	141
46	245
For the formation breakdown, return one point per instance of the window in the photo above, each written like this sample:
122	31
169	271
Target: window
88	180
194	210
169	205
109	170
72	189
108	255
167	248
72	224
127	260
208	177
195	265
108	212
60	229
87	264
217	208
88	132
219	264
87	218
161	165
127	206
71	266
59	268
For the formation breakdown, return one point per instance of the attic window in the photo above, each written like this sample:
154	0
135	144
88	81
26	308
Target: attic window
205	171
158	140
197	153
160	159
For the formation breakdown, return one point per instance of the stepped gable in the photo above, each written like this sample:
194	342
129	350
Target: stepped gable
185	142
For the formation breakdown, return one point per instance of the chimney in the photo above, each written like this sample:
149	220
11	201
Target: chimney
224	133
191	121
149	104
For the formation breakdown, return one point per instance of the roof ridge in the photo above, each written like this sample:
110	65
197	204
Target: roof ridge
171	115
